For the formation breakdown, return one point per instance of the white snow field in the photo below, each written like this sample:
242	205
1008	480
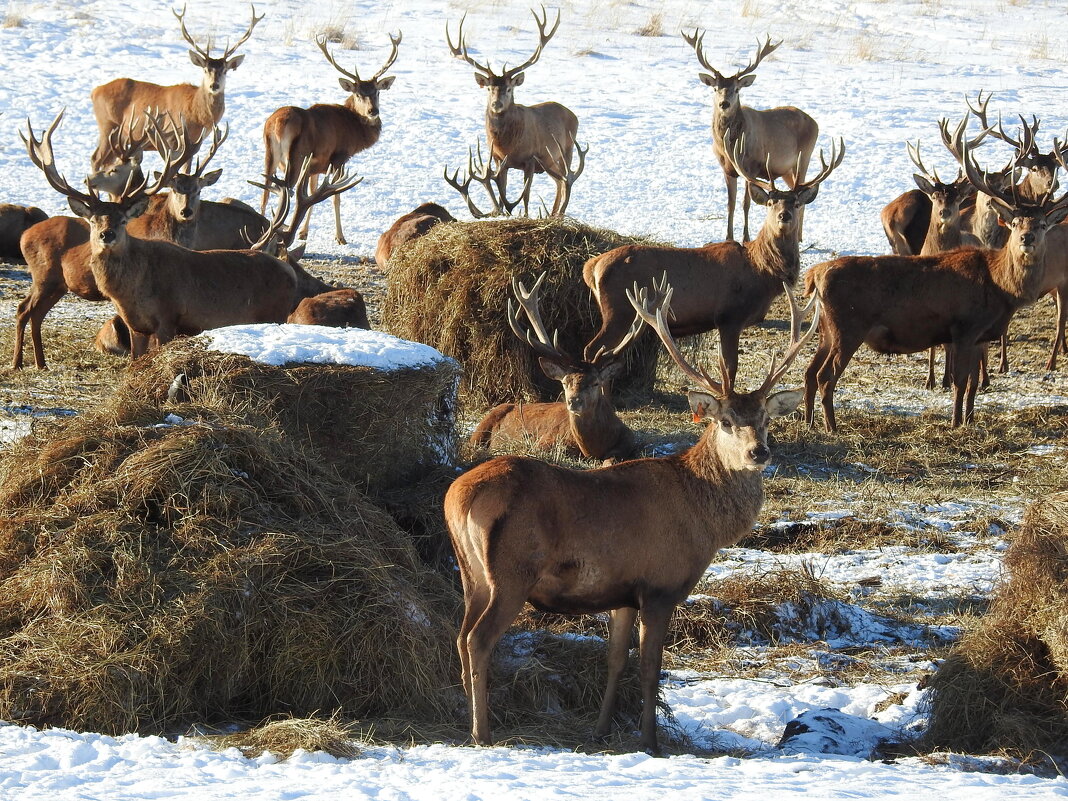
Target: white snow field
874	73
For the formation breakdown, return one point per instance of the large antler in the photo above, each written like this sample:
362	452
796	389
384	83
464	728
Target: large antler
231	50
961	147
481	172
763	51
538	338
543	39
40	151
218	136
696	40
654	307
460	50
781	363
569	176
206	53
394	41
737	151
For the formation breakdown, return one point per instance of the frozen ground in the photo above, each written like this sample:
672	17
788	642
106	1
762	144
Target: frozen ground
875	73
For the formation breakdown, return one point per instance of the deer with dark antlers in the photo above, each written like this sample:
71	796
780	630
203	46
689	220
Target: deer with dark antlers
124	102
585	424
534	139
779	141
906	304
328	133
631	539
724	285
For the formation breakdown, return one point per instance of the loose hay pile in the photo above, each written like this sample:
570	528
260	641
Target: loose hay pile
450	289
224	566
1005	686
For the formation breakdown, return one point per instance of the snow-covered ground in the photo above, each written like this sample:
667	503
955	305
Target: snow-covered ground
875	73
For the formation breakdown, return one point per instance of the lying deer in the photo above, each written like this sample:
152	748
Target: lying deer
534	139
778	141
906	304
123	102
724	285
585	424
328	133
407	227
161	289
632	539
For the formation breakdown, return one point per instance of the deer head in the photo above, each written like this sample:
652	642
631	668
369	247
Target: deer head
501	87
727	87
215	69
946	198
363	94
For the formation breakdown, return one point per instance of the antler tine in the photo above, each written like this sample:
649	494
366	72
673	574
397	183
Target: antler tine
41	155
528	300
320	40
271	235
218	136
174	156
543	39
765	50
980	179
460	50
827	167
697	40
736	151
797	342
652	308
255	20
395	43
914	155
185	33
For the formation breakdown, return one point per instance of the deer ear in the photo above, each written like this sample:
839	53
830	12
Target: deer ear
1005	213
347	85
784	402
612	370
554	370
924	185
79	208
137	208
385	83
808	194
746	81
704	405
297	253
235	62
1057	215
758	194
707	79
197	59
481	80
518	79
211	177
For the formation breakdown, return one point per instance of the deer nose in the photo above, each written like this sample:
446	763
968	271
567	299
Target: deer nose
107	237
187	213
785	216
724	104
760	454
1027	238
575	404
943	214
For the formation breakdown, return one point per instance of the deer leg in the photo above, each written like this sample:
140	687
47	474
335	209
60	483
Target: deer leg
475	602
732	193
947	369
500	612
313	184
620	625
984	366
1062	317
652	631
930	368
811	376
828	376
745	213
965	382
1003	366
32	309
337	221
729	336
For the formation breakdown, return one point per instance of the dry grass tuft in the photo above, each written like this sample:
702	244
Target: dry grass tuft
654	27
286	736
1005	686
450	289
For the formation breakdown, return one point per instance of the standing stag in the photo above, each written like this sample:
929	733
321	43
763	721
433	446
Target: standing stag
724	285
327	133
906	304
533	139
779	141
123	102
632	539
585	424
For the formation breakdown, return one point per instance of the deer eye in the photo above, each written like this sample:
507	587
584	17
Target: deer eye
727	424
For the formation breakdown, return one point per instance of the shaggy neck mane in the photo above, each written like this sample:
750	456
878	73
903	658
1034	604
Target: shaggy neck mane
1019	279
775	256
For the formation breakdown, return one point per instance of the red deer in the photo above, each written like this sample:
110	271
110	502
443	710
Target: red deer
124	102
905	304
161	289
724	285
329	133
779	141
339	308
534	139
585	424
14	222
632	539
409	226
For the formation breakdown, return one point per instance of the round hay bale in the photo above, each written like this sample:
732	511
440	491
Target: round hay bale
1005	685
450	289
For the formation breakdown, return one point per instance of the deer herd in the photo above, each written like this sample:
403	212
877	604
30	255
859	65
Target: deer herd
966	254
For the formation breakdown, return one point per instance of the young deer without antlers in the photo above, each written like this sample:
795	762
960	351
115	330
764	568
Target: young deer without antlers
408	227
724	285
585	424
161	289
124	102
906	304
779	141
534	139
632	539
327	133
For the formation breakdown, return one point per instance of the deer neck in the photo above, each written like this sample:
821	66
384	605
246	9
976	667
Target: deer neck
1019	276
729	121
726	490
504	126
118	270
208	105
777	255
985	221
941	237
596	430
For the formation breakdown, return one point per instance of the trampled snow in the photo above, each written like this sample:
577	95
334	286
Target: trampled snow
875	73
